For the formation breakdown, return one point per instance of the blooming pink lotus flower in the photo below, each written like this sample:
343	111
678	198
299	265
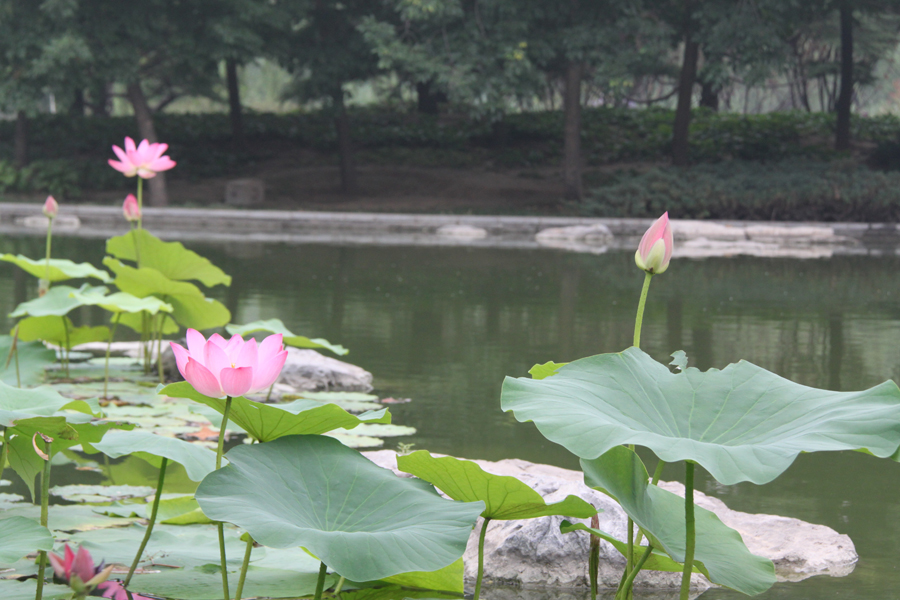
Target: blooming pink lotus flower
77	570
145	160
655	249
51	207
130	209
234	367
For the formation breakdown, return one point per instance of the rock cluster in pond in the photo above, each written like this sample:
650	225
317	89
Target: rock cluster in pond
534	554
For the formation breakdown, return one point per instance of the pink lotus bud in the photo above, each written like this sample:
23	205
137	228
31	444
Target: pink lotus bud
51	207
655	249
130	209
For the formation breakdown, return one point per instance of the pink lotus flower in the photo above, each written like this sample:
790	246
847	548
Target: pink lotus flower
219	368
655	249
51	207
78	572
130	209
145	160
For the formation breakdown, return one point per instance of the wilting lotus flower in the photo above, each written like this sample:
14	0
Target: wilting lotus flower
130	209
51	207
145	160
219	368
77	570
655	249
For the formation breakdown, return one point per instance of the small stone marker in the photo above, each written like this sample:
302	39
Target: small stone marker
245	192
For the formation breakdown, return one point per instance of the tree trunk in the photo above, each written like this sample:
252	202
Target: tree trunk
234	102
158	194
686	81
345	148
78	105
100	100
20	152
429	101
572	132
845	99
709	96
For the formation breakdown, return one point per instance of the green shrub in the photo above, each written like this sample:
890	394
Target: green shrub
790	190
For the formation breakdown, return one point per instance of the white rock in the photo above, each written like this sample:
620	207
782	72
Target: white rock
533	554
307	370
60	222
462	231
577	238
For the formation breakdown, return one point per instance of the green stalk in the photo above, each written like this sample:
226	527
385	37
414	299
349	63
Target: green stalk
244	565
137	247
140	199
320	583
159	365
45	508
112	334
628	585
153	512
340	585
4	451
594	558
66	349
689	530
639	319
14	352
49	237
221	527
484	527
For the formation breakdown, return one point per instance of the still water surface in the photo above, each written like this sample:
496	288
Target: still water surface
445	326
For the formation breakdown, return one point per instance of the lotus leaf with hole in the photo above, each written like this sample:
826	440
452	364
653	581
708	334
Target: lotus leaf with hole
742	423
362	521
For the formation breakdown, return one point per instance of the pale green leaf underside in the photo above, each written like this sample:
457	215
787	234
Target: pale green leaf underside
742	423
720	553
121	302
198	461
290	338
58	301
19	536
504	497
362	521
61	269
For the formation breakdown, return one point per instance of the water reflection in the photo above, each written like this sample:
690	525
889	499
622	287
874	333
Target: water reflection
445	325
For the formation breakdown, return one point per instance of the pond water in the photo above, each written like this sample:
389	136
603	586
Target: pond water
444	326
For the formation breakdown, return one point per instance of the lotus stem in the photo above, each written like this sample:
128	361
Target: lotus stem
112	334
628	586
340	585
14	352
240	588
594	558
639	318
484	526
4	451
45	510
47	263
320	583
269	395
689	530
221	527
137	247
66	348
159	365
153	511
140	199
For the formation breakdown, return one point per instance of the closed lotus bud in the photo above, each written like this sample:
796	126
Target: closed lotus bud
655	249
130	209
51	207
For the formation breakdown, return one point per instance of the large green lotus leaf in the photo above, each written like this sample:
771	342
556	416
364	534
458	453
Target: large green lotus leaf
33	358
290	338
190	307
44	401
58	301
362	521
11	589
120	301
60	269
197	460
60	331
22	456
657	561
169	258
720	553
267	422
504	497
96	494
742	423
448	579
135	322
19	536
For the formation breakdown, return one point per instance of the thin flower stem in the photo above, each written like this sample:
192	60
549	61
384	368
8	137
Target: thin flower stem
478	579
112	334
639	318
629	549
244	565
340	585
140	199
626	589
4	451
153	512
320	583
137	247
159	365
47	263
689	530
66	348
594	558
45	509
221	527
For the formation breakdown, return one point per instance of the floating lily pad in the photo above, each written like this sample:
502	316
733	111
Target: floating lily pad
17	404
355	441
88	494
362	521
11	589
10	500
504	497
70	518
205	583
355	402
173	510
290	338
19	536
382	430
197	461
742	423
171	259
61	269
